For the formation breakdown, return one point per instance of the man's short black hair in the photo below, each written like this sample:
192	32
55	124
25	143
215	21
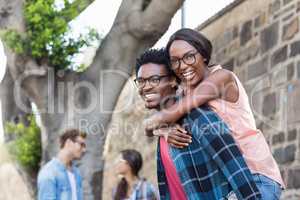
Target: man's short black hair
71	134
156	56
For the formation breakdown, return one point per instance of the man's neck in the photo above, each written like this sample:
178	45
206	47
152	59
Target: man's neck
64	157
169	102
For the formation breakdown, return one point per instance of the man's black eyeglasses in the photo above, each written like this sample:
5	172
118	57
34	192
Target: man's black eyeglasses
153	80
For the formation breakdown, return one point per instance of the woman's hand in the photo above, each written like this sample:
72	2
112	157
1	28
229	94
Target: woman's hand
175	135
154	122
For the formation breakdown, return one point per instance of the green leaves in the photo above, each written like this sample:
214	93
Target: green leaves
15	41
26	148
46	33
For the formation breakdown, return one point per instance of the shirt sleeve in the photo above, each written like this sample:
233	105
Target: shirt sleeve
217	140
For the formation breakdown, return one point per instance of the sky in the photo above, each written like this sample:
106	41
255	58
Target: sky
101	13
196	12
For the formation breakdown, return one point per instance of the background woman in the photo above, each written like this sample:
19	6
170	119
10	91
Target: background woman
131	186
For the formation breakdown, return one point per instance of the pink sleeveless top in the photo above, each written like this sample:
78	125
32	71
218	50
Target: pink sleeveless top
174	184
252	143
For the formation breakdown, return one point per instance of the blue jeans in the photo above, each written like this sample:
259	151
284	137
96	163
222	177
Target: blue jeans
270	190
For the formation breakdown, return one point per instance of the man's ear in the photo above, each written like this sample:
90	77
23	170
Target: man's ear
68	141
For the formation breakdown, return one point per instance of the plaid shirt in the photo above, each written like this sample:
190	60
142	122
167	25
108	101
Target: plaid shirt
212	165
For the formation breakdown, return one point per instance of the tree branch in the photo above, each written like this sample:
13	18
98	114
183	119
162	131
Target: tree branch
79	5
133	31
11	15
155	20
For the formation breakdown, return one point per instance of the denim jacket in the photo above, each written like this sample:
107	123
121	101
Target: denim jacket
54	184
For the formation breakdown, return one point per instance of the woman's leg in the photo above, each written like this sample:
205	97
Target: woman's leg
269	189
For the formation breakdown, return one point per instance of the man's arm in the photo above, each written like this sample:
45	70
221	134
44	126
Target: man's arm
175	135
218	142
46	189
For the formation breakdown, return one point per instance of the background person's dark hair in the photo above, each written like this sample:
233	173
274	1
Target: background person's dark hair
157	56
135	161
71	134
194	38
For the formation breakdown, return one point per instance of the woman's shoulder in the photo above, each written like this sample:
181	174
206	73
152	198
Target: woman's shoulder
218	69
149	191
221	75
147	184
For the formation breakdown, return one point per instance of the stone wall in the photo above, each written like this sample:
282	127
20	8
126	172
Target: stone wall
260	42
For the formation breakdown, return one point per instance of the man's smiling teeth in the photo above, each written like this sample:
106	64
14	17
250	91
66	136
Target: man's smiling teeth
149	96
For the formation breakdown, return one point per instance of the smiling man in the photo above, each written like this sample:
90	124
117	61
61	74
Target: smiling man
205	164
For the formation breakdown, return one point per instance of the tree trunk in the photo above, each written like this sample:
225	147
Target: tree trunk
86	100
10	110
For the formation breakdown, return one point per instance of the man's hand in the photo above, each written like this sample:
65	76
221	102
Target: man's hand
176	136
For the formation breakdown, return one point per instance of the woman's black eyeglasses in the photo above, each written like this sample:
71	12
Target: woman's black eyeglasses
189	59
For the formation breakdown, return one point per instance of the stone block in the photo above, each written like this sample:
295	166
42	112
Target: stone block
278	138
235	32
221	56
260	20
285	12
247	54
295	48
259	68
298	70
229	65
270	105
287	17
274	7
290	195
290	71
285	2
286	154
291	29
293	179
269	37
279	76
233	47
280	55
224	39
289	9
292	135
241	73
246	32
293	105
